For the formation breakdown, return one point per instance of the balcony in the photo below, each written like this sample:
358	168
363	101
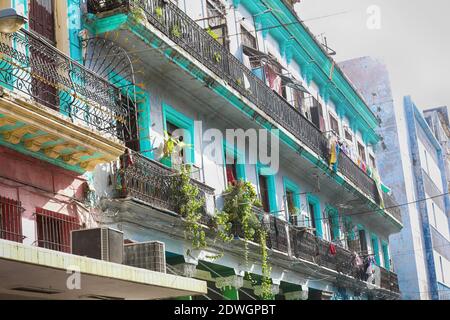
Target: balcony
188	35
55	109
151	182
308	247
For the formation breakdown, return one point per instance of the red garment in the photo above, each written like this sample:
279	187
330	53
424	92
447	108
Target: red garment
230	175
332	249
274	80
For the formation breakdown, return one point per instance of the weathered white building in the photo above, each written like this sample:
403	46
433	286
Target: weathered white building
411	160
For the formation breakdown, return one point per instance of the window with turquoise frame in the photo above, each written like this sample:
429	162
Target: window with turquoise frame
376	249
234	162
386	257
138	136
267	190
315	214
292	201
333	222
173	119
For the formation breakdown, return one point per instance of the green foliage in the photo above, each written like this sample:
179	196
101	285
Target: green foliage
138	14
214	35
190	203
217	57
159	12
238	212
176	31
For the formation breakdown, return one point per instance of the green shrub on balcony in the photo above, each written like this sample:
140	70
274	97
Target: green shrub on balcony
239	216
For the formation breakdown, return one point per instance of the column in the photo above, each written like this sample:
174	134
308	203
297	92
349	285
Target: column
185	270
230	286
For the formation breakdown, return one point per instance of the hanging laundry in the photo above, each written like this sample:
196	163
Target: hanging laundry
334	148
246	61
332	249
247	85
274	80
376	178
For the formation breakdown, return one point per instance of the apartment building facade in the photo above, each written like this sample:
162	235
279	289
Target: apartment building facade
416	172
246	65
160	67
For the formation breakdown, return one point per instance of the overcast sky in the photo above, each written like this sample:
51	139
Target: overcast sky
413	41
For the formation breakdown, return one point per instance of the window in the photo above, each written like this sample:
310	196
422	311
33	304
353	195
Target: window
334	124
290	202
373	164
333	218
10	220
216	21
442	268
386	258
317	114
348	135
173	132
315	215
264	192
362	241
376	249
42	18
312	215
299	97
248	39
231	171
173	121
362	152
53	229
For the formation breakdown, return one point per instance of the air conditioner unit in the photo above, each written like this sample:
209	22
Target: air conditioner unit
147	255
99	243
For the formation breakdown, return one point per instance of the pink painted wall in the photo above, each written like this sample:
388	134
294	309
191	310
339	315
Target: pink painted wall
38	184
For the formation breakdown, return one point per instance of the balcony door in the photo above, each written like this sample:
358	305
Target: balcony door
42	22
264	192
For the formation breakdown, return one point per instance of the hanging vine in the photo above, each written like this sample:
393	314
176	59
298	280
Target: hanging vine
190	203
239	218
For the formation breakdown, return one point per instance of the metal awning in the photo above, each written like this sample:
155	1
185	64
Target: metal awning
256	54
28	272
293	83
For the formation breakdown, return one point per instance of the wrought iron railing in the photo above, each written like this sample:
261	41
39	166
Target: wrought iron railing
11	220
187	34
150	181
392	207
311	248
389	280
32	67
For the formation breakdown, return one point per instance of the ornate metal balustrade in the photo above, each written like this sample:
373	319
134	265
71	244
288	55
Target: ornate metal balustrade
186	33
311	248
32	67
150	181
393	207
389	280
